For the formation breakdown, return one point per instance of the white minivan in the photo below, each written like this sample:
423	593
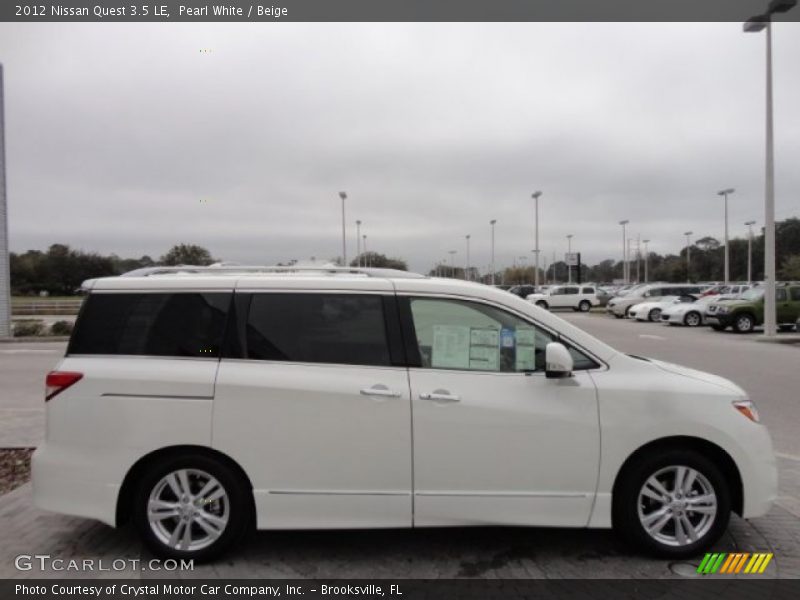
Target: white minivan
200	403
577	297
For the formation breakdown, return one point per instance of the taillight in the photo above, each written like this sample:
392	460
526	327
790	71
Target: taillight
58	381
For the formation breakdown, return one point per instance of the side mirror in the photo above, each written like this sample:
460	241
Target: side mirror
558	361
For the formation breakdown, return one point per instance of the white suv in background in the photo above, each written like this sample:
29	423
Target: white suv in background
201	403
576	297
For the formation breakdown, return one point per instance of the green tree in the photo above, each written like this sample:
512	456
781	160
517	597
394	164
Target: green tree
187	254
379	261
790	269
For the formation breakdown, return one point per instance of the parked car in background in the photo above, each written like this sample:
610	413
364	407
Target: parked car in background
604	295
651	311
523	291
746	313
726	290
694	314
620	305
576	297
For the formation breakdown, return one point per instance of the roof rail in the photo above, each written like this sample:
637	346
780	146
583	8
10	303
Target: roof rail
230	269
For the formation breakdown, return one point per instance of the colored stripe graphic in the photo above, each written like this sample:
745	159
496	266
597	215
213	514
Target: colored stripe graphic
723	562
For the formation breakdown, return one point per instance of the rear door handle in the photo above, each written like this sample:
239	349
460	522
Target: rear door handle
440	397
380	390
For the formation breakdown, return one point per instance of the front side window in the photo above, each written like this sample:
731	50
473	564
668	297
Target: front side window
184	324
470	336
571	290
317	328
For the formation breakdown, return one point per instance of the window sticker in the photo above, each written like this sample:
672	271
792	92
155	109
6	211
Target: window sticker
507	338
484	349
526	349
451	347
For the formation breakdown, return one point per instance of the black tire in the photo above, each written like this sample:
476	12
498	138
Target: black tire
627	508
654	315
629	312
744	323
718	327
585	306
542	304
617	316
240	517
693	319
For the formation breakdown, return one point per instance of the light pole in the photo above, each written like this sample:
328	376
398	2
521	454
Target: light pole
624	253
5	276
452	254
646	257
343	196
724	193
492	223
752	25
750	251
535	196
569	257
630	254
358	242
466	271
364	246
688	255
638	257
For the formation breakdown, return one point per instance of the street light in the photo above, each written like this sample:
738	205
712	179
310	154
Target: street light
624	253
466	271
343	196
5	276
364	246
688	255
358	242
750	251
569	258
535	196
752	25
646	257
724	194
492	223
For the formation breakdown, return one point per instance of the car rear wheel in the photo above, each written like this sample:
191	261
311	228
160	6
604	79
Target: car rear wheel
192	506
654	314
584	306
692	319
744	323
672	504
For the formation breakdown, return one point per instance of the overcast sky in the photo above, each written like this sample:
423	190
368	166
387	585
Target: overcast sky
127	138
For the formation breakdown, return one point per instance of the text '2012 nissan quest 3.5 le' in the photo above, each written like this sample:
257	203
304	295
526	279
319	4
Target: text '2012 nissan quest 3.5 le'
200	403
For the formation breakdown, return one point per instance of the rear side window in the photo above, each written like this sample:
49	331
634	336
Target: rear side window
795	293
184	324
317	328
588	290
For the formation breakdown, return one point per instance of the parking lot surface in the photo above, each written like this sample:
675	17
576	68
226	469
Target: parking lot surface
768	372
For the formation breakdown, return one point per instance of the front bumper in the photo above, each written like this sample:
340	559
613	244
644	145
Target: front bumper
722	320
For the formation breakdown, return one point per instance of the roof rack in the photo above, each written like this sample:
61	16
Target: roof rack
230	269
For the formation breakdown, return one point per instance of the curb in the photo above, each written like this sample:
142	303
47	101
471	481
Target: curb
35	338
778	339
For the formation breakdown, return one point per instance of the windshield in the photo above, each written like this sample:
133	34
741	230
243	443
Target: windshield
752	294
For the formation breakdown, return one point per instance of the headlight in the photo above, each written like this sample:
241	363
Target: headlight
747	408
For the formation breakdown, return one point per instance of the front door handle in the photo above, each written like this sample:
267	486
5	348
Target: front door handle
440	396
380	390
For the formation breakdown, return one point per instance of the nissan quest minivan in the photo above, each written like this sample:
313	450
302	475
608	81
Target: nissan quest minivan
201	403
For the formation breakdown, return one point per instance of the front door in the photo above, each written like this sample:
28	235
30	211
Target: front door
495	442
316	409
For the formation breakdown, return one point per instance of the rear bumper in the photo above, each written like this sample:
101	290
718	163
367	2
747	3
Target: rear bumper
63	482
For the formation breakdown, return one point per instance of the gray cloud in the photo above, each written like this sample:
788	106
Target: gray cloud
115	132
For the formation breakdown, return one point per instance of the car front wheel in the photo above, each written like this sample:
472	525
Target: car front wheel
692	319
672	504
192	506
654	315
744	323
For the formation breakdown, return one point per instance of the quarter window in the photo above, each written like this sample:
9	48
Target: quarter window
152	324
470	336
317	328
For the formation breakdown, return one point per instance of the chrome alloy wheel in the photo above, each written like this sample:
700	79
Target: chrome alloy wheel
677	506
188	509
